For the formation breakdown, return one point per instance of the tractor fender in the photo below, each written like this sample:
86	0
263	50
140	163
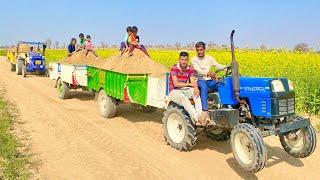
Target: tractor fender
170	103
55	84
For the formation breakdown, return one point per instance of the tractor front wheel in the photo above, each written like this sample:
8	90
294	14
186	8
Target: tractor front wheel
107	105
18	68
62	89
300	143
12	67
24	71
179	131
248	147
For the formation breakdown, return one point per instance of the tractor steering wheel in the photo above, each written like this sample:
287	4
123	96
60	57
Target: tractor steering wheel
228	72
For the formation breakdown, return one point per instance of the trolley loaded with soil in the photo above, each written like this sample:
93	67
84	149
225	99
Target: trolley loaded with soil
133	79
243	109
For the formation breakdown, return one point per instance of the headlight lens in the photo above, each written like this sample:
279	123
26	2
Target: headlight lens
277	86
291	88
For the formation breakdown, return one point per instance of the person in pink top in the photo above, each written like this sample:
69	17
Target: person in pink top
88	46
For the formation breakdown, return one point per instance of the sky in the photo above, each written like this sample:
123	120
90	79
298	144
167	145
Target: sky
274	23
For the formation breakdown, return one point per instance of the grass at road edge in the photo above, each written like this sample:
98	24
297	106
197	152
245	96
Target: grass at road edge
13	164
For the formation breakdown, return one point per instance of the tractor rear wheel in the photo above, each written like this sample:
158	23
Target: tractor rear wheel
24	71
107	105
218	134
301	143
248	147
62	89
47	73
18	68
12	67
179	131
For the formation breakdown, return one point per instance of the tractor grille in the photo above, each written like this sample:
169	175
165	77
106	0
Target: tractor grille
264	106
286	106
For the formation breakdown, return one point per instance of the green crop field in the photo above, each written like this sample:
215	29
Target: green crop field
302	68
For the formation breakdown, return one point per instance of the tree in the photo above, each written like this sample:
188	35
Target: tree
177	45
49	43
212	45
104	45
56	44
302	47
263	47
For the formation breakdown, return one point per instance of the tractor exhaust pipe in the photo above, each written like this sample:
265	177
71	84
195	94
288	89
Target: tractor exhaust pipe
235	72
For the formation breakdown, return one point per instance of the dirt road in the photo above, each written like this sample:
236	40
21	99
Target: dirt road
74	142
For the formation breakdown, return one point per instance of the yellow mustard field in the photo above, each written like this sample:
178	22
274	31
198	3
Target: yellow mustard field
302	68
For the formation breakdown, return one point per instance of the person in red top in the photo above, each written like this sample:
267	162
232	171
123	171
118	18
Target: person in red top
133	42
183	87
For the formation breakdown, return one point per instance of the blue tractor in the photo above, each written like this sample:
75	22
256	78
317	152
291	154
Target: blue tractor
33	62
244	110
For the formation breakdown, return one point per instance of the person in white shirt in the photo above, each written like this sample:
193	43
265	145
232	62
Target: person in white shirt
202	64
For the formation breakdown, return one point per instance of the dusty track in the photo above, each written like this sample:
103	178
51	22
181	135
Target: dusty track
74	142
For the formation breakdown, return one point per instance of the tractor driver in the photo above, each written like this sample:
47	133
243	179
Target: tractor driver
31	52
183	87
202	64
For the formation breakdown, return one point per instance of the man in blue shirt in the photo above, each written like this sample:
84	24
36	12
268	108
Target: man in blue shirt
72	46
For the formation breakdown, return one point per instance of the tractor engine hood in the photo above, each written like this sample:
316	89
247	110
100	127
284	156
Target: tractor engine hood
37	57
256	87
268	97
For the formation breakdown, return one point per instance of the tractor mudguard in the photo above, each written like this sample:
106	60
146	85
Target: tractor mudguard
297	123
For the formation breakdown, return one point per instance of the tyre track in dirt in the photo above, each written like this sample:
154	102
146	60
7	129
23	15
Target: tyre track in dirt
74	142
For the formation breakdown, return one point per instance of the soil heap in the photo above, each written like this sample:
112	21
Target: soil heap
138	63
22	48
79	58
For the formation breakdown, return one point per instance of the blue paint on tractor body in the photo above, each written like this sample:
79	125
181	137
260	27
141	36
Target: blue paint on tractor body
36	64
258	93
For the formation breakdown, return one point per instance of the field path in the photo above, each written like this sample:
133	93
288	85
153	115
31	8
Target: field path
74	142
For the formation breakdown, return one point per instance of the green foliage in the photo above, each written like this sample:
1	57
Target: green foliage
12	162
3	52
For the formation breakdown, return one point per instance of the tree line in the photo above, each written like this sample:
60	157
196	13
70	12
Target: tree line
300	47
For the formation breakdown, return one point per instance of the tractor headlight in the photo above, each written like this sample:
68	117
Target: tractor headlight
277	86
291	88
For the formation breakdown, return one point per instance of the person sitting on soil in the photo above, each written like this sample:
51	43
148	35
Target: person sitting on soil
88	46
183	87
202	64
82	41
124	45
133	42
72	46
142	47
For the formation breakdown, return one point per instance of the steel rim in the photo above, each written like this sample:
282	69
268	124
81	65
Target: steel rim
102	103
244	148
176	129
298	142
